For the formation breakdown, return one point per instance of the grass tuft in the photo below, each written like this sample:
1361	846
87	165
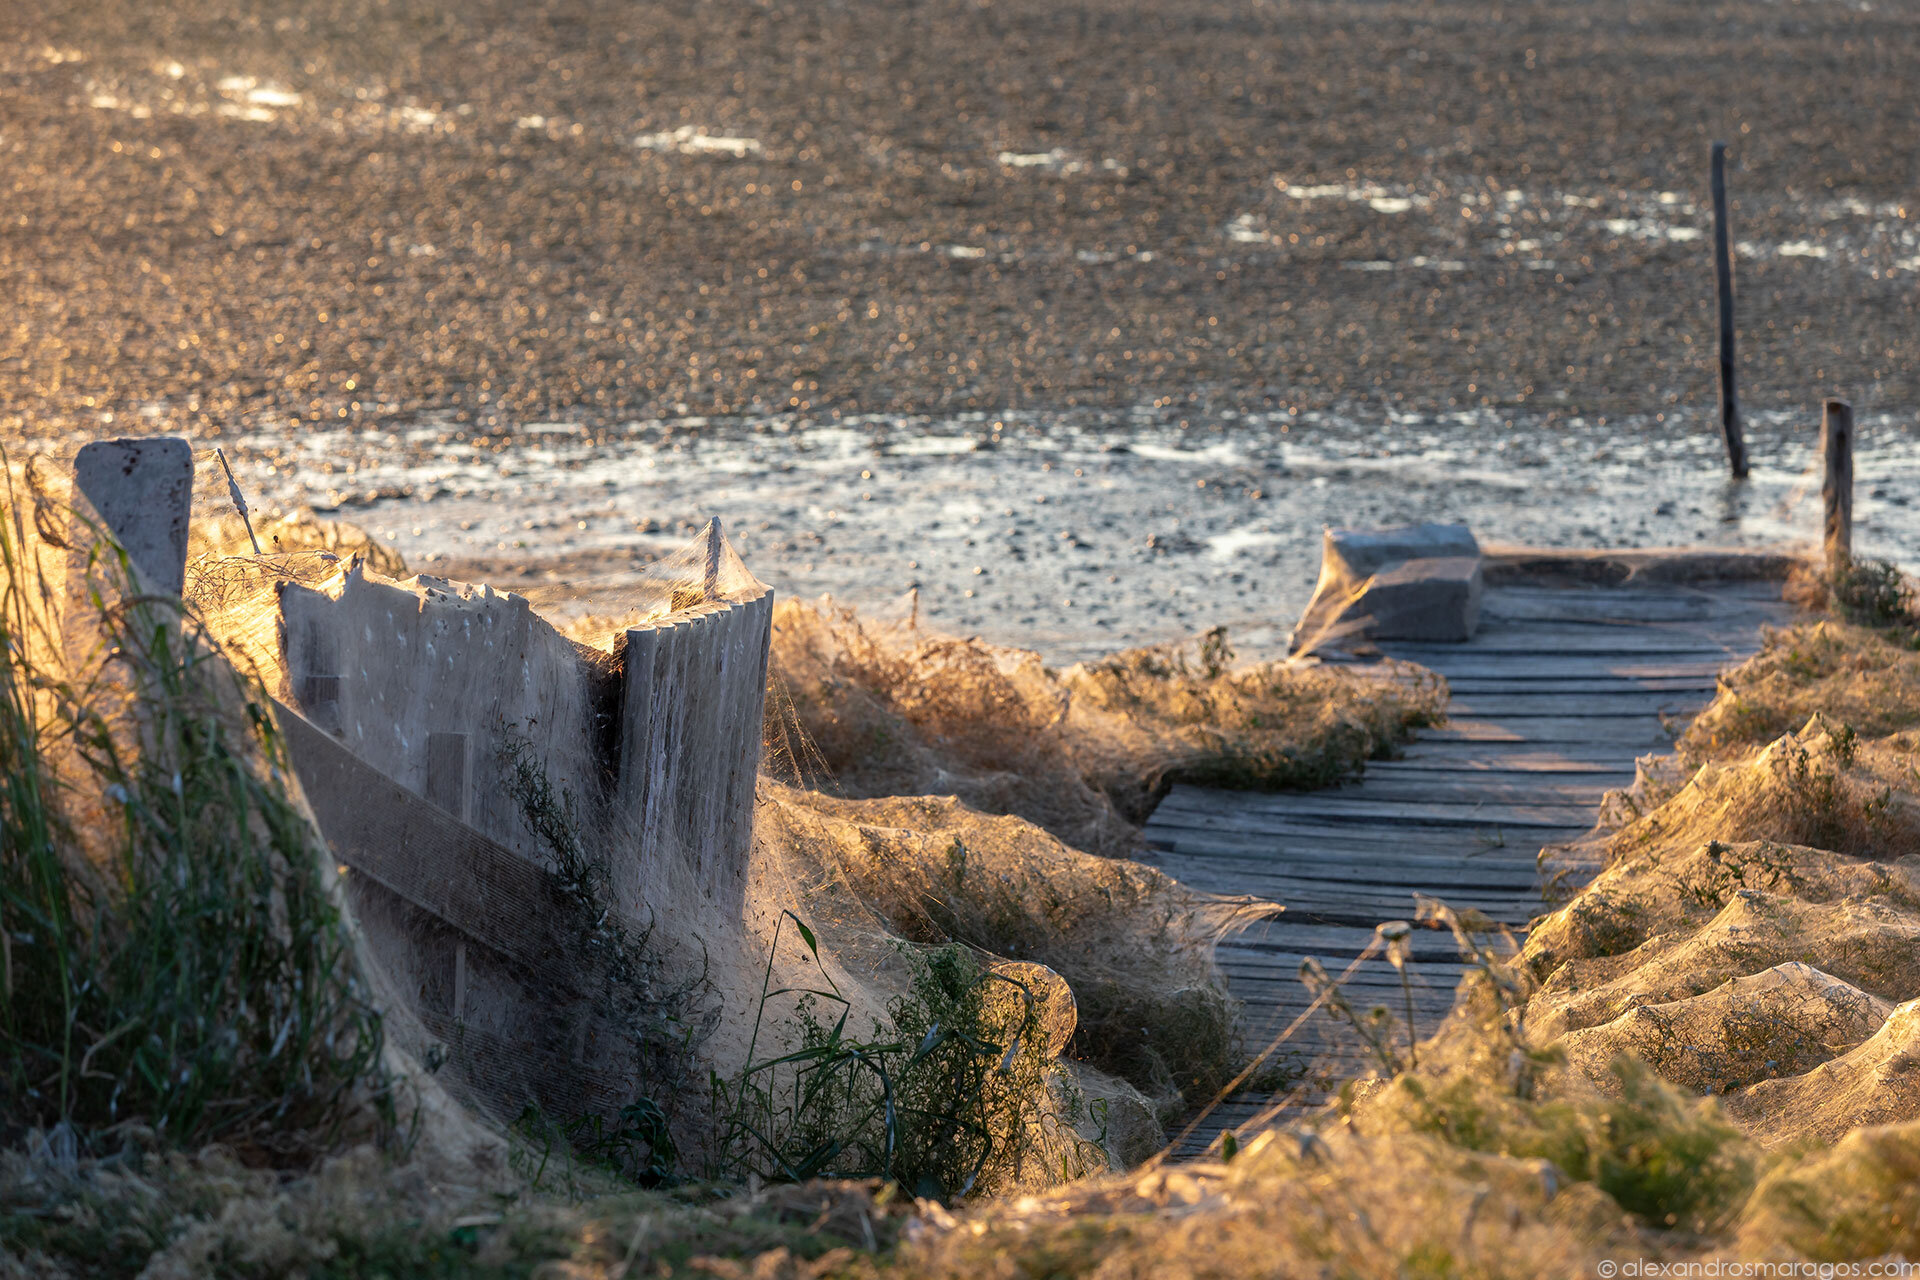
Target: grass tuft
173	954
958	1095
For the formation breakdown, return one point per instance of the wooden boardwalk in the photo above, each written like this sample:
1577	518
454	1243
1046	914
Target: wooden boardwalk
1552	702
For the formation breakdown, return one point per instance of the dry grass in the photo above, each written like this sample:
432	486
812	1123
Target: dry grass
1851	675
875	709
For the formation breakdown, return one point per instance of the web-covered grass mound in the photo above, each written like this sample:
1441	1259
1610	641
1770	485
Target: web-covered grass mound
890	708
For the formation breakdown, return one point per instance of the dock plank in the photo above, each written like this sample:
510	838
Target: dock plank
1379	813
1547	664
1621	702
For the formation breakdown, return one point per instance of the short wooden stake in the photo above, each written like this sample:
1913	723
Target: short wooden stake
1836	490
1723	276
711	587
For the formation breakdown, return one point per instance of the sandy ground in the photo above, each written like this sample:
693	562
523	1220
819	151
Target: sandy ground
530	287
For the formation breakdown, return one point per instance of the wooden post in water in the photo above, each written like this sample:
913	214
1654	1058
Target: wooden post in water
1723	276
1836	490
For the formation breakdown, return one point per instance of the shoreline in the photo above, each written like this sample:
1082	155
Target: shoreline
1153	533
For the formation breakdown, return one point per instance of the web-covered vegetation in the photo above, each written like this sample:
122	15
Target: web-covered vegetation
893	708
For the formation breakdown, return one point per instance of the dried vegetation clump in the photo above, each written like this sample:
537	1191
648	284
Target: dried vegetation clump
1851	675
892	709
1754	928
1134	946
223	535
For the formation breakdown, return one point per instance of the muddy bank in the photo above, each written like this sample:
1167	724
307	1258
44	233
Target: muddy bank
1072	534
225	212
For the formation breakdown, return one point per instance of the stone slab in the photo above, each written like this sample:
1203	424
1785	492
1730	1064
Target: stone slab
1417	582
1426	599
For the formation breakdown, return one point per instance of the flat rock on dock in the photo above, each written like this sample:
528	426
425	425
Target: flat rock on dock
1568	681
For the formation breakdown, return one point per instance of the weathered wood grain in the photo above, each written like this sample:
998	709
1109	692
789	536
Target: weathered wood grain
1836	486
1723	291
450	870
1199	805
1611	703
1562	666
1703	685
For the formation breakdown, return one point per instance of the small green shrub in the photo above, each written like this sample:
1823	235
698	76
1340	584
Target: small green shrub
660	1020
1874	593
947	1100
1669	1159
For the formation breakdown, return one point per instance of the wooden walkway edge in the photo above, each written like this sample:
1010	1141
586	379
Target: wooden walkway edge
1567	683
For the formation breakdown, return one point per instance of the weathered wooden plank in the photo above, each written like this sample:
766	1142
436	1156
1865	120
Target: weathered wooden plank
1703	686
1466	879
1279	938
1470	787
1280	987
1194	868
1705	610
1429	974
1320	804
1430	1004
448	772
1458	753
1584	613
1492	770
1321	836
1465	662
1339	806
1286	939
1457	874
1630	644
1283	883
446	868
1345	820
1531	758
1373	908
1728	590
1622	703
1273	835
1364	849
1497	852
1222	875
1429	1000
1646	733
1609	609
1282	990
